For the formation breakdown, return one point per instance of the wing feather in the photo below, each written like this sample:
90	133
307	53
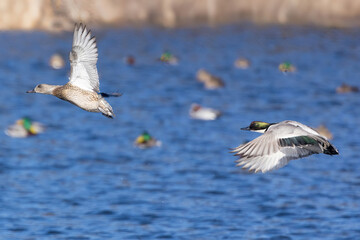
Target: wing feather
267	152
83	59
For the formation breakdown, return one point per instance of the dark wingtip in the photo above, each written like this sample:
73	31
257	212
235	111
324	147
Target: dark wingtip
78	26
331	151
106	95
81	26
108	115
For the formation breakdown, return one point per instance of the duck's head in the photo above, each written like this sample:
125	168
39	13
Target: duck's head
130	60
166	56
143	138
43	88
287	67
195	107
27	124
257	126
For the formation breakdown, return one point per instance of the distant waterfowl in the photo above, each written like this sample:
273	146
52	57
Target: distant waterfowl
82	89
210	81
57	61
287	67
324	131
202	113
280	143
169	58
145	140
129	60
24	127
242	63
344	88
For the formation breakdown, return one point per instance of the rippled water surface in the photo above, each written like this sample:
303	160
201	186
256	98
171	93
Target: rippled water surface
84	179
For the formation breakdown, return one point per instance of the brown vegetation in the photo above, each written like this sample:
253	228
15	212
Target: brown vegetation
61	14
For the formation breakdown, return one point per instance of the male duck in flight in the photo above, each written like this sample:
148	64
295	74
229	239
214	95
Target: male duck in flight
280	143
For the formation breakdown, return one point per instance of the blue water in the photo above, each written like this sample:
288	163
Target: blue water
84	179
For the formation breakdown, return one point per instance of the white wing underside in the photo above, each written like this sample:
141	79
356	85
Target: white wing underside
83	58
274	160
264	153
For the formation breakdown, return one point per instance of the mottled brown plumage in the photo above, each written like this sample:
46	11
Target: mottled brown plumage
82	89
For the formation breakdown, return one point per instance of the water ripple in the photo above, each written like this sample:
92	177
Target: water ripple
83	178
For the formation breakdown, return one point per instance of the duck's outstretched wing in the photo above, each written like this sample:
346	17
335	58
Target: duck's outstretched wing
268	152
83	58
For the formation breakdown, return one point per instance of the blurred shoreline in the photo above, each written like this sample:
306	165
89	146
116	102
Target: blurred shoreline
58	15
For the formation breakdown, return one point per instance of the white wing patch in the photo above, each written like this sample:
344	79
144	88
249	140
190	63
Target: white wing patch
83	58
264	153
274	160
264	163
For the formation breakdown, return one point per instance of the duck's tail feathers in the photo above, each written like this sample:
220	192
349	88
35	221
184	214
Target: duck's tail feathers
331	150
106	95
106	109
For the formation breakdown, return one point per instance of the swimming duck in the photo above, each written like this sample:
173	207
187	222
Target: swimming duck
287	67
145	140
344	88
210	81
82	89
202	113
242	63
129	60
169	58
57	61
324	131
280	143
24	127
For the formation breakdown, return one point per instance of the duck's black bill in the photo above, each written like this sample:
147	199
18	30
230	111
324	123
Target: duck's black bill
30	91
245	128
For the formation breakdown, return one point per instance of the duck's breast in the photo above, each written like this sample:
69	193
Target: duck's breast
86	100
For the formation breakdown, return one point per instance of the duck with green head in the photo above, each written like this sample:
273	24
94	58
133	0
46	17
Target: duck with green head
145	140
169	58
280	143
24	127
287	67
